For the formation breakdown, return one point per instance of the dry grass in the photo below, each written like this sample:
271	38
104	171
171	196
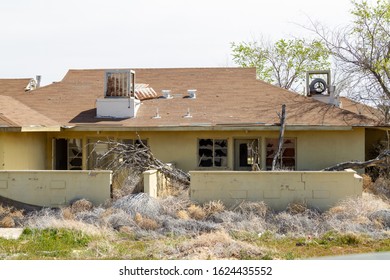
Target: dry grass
145	223
81	206
218	245
183	215
67	213
213	207
196	212
367	184
7	222
381	187
250	208
295	208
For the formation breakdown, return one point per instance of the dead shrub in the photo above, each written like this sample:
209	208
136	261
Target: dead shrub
381	187
126	230
67	213
252	208
295	208
196	212
5	210
183	215
171	205
145	223
17	214
218	245
81	206
368	185
213	207
7	222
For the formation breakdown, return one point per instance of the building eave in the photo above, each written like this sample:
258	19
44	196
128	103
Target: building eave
208	127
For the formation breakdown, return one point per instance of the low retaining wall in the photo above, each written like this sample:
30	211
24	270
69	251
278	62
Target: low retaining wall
155	184
319	189
49	188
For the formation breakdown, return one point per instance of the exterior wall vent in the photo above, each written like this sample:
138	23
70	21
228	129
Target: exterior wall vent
166	93
192	93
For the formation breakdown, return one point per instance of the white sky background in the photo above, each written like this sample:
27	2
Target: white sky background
49	37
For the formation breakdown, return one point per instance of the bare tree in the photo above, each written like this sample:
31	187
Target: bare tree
362	53
283	63
277	160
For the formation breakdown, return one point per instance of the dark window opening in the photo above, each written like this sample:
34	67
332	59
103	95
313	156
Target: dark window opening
212	153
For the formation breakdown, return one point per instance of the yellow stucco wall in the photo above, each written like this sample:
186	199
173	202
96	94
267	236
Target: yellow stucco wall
55	188
19	151
277	189
315	150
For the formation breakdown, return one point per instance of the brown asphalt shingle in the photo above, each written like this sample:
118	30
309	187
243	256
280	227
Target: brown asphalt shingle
228	96
15	113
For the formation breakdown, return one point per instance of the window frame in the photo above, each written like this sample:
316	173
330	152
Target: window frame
213	157
283	167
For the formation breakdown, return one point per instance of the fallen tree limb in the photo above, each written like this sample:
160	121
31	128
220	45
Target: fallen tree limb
380	159
136	157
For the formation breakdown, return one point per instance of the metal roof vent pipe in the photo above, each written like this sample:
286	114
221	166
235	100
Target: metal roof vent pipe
192	93
38	79
166	93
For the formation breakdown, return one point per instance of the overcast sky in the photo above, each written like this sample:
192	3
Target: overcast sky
48	37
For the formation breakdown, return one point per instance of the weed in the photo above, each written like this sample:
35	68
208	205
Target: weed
213	207
145	223
7	222
196	212
183	215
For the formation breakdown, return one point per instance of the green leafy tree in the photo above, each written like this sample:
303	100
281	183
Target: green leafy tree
283	63
362	53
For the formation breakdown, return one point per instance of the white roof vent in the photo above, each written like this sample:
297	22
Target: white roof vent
166	93
192	93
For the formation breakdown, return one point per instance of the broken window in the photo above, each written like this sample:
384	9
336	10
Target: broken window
68	154
212	153
288	154
119	83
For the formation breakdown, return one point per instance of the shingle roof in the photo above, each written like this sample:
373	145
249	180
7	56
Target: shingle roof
225	96
14	112
361	109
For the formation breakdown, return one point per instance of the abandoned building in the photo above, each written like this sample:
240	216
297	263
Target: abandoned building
195	118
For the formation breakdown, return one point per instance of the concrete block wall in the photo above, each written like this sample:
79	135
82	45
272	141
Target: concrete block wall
49	188
277	189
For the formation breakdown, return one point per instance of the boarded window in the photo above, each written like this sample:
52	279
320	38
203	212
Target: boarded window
288	154
212	153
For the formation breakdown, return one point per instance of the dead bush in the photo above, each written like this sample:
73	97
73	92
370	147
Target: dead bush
196	212
145	223
7	222
139	203
213	207
381	187
171	205
295	208
252	208
17	214
67	213
182	214
356	215
81	206
368	185
218	245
